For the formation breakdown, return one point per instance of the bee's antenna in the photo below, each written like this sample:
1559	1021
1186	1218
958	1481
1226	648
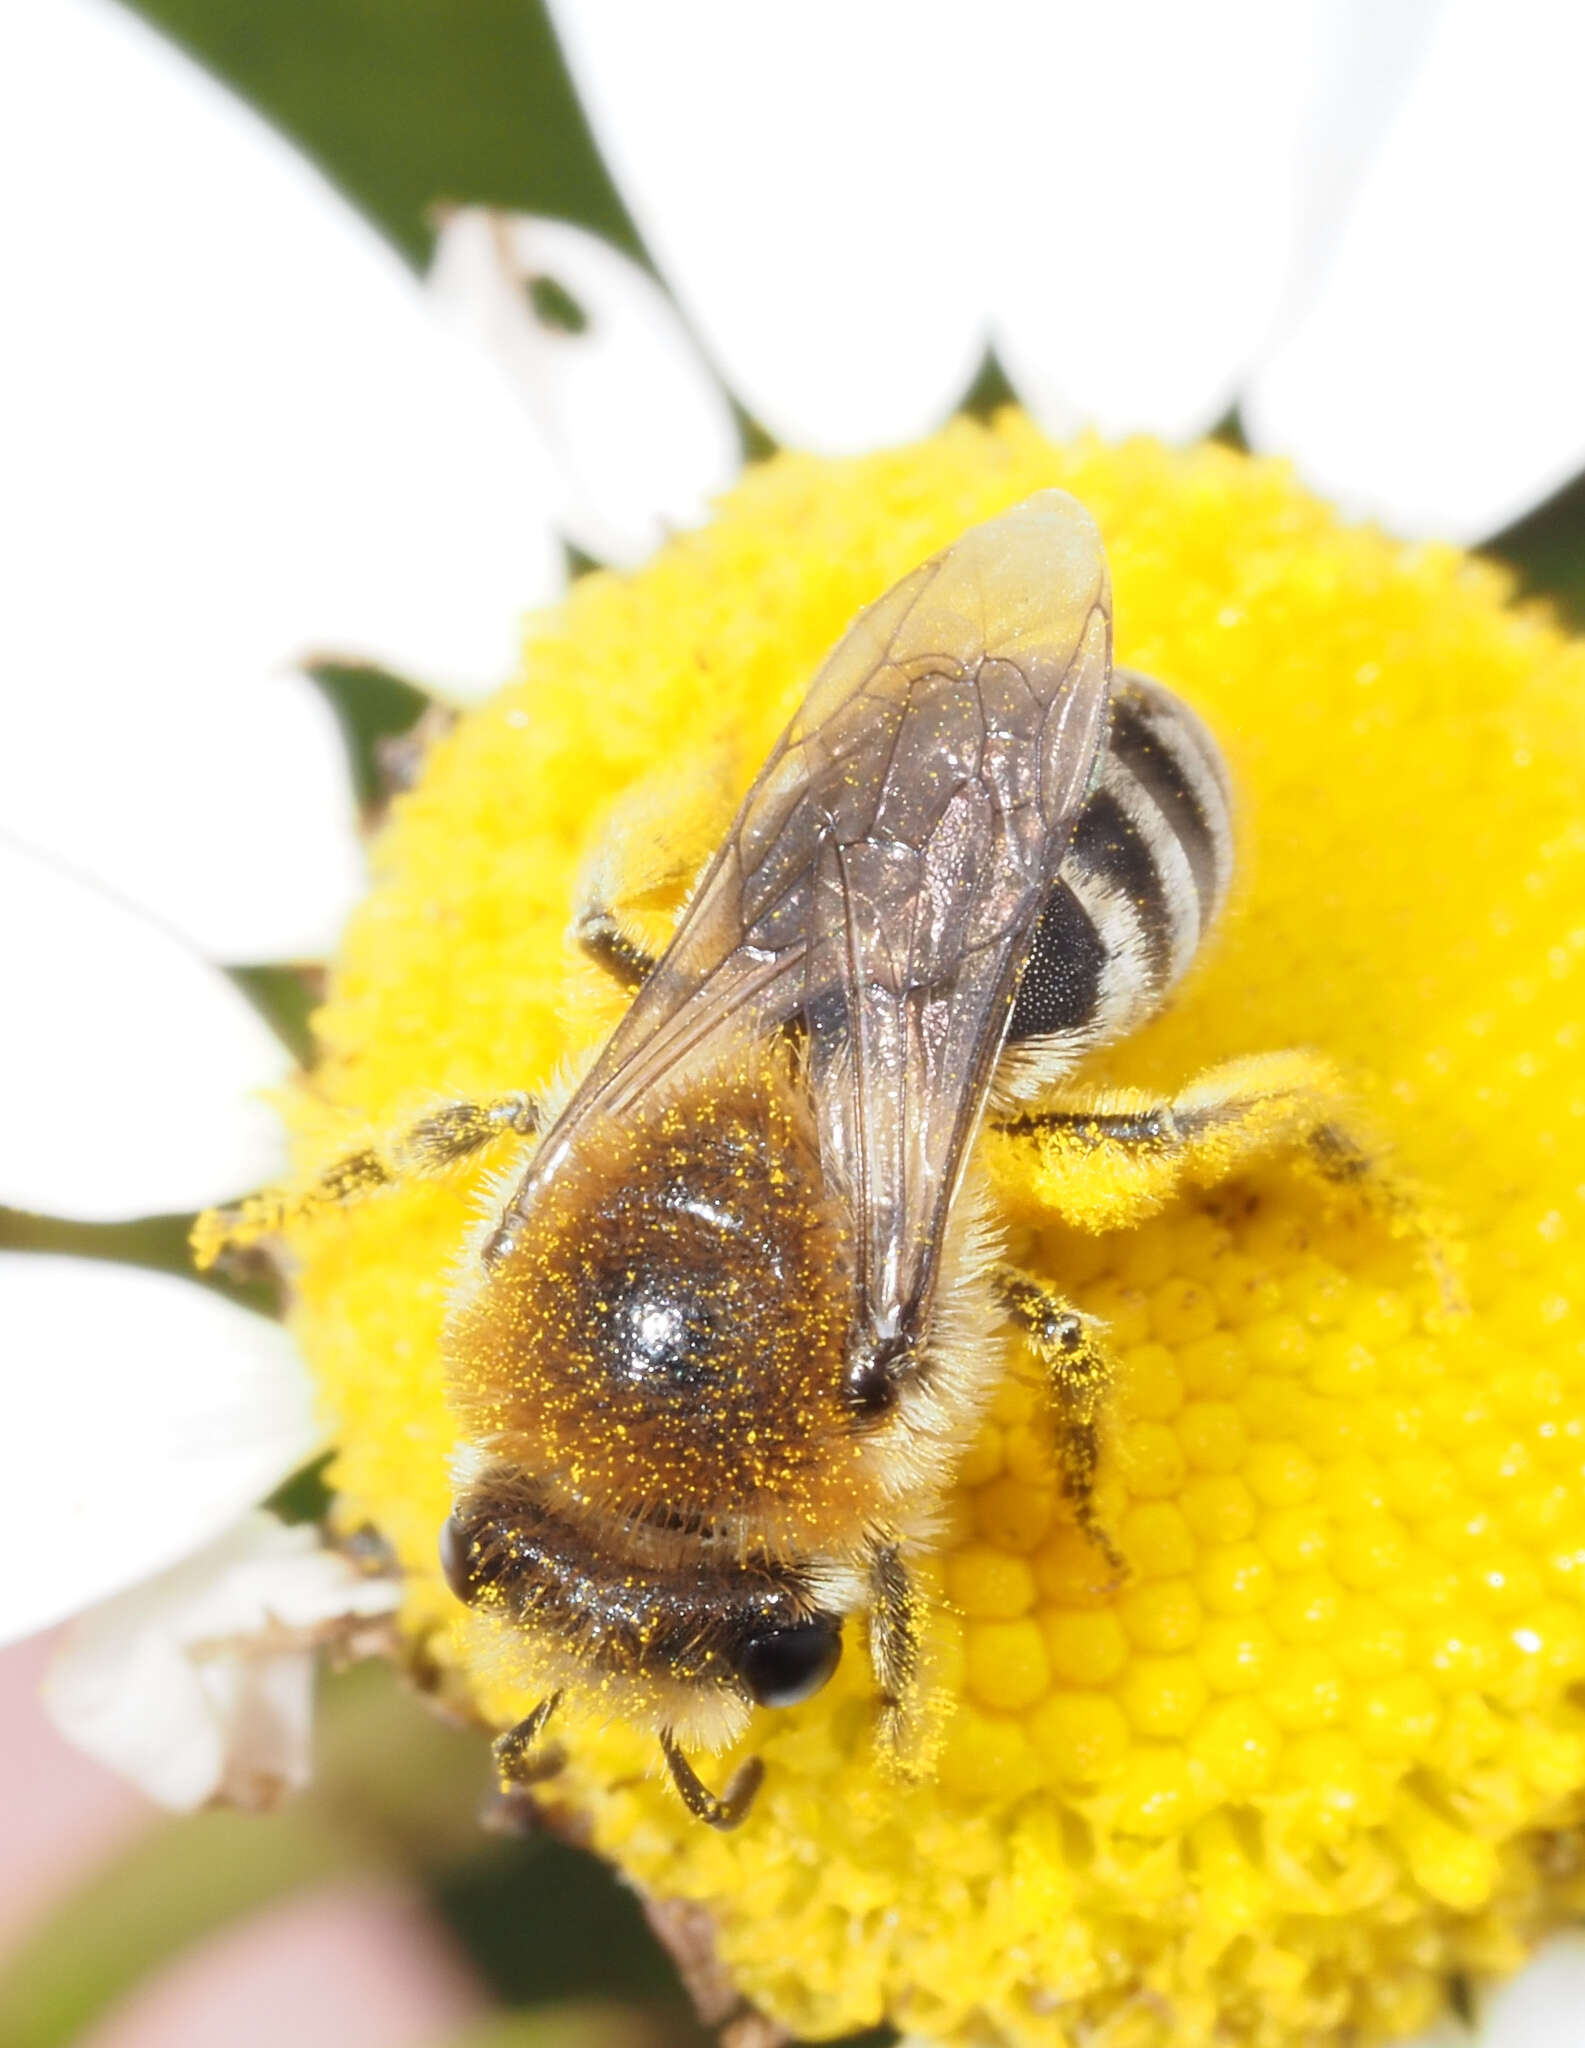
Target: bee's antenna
730	1809
512	1751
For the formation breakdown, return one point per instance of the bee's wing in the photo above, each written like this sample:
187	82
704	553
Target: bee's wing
980	729
883	878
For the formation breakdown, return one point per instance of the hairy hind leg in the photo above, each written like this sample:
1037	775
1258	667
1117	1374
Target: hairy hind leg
437	1142
1079	1375
1112	1157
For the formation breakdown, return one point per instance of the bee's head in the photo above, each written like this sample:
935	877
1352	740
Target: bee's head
677	1617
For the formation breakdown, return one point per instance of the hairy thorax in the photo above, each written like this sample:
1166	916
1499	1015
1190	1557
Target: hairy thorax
664	1344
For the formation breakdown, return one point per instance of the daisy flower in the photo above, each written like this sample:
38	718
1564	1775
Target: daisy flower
377	487
1320	1752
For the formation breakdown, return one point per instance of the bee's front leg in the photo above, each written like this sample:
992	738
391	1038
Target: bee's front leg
894	1642
1079	1375
433	1145
721	1810
520	1757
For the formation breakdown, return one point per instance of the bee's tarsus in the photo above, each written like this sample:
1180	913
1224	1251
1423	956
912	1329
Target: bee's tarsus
454	1133
891	1728
1336	1154
894	1636
725	1810
1339	1157
440	1140
609	946
516	1759
1079	1375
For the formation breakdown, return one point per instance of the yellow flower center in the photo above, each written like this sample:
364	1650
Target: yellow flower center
1325	1744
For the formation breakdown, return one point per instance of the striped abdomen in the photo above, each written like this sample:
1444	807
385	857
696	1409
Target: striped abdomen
1143	880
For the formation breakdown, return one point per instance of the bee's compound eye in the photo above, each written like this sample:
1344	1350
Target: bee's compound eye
457	1560
788	1665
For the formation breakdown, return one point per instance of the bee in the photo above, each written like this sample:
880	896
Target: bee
722	1342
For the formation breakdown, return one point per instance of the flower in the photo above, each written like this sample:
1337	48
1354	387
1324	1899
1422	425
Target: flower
1322	1750
135	692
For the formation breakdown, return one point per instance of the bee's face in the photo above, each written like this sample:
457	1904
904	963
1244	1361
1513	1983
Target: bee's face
677	1618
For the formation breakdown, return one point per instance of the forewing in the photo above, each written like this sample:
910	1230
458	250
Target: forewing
883	876
930	873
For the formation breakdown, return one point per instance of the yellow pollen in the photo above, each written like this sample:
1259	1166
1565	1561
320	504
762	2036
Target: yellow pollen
1324	1747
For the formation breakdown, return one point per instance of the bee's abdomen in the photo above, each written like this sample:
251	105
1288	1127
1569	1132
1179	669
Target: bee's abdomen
1142	882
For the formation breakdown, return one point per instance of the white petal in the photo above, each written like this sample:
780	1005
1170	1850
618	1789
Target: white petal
143	1414
131	1071
1538	2008
803	180
1436	382
638	432
198	1684
1541	2007
1141	194
233	431
1366	57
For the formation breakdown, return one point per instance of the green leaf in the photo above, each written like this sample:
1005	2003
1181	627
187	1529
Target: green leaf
590	2023
307	1495
286	998
156	1241
1547	547
407	104
184	1881
543	1921
372	707
990	390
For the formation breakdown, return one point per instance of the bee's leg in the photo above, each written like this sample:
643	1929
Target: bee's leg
1079	1375
447	1136
1113	1157
727	1810
894	1639
657	837
603	937
515	1759
435	1143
